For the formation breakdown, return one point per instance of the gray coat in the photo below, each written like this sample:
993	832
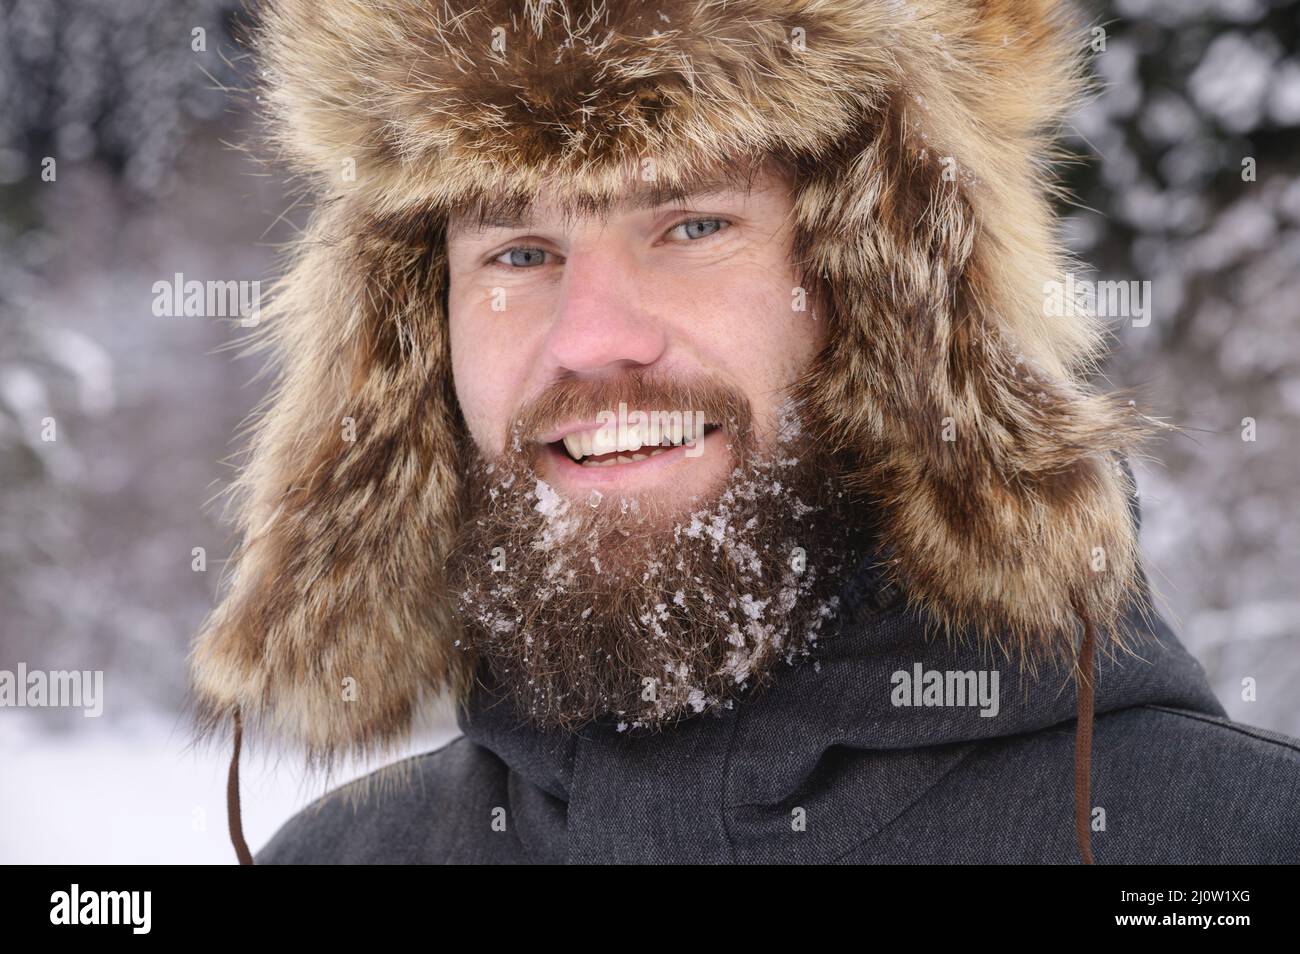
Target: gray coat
825	765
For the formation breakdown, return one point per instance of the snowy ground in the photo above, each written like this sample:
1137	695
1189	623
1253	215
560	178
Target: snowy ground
134	793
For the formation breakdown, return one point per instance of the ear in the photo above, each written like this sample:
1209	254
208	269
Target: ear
332	628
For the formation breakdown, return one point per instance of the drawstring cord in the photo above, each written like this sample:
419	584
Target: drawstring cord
232	800
1083	744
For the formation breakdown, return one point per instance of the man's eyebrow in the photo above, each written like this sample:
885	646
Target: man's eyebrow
511	212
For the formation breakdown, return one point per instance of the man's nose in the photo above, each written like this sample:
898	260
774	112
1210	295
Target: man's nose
602	321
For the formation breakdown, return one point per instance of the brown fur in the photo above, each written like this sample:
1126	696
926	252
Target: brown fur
933	289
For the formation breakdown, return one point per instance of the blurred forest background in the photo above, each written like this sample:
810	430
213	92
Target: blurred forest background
97	528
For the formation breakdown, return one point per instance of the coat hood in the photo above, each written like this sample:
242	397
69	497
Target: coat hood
920	134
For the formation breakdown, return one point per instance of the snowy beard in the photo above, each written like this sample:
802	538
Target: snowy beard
614	608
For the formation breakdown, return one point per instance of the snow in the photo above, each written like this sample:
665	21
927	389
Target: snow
132	792
1233	80
549	503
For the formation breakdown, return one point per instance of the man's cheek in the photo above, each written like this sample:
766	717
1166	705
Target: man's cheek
473	386
498	385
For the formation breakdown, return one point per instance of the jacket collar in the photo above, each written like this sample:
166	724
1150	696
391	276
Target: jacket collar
722	788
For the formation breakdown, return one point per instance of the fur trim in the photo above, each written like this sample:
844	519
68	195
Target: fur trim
920	133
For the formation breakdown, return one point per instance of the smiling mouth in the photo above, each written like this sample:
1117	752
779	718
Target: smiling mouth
587	449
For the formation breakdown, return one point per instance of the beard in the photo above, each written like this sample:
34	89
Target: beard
644	610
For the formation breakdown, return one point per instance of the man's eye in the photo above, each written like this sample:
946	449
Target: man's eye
521	256
692	230
695	229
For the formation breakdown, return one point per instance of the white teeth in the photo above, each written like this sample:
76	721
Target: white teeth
599	442
623	458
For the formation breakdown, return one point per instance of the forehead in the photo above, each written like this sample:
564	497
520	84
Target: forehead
643	191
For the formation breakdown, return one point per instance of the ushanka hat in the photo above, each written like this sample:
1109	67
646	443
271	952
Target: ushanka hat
920	134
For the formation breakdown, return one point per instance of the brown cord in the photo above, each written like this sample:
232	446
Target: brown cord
232	801
1083	745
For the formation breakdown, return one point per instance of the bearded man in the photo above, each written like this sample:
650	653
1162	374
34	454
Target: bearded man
673	388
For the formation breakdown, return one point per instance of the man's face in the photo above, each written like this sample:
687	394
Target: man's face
658	574
551	317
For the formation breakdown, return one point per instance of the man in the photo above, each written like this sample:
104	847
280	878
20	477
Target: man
674	389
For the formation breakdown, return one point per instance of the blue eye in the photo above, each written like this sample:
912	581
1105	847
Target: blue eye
526	256
693	230
522	256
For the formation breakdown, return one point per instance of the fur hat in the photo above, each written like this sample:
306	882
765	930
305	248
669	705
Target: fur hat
920	134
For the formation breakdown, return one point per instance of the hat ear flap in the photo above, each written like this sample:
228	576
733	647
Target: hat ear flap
994	467
332	625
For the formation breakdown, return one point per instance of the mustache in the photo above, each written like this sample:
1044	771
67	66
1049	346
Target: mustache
642	389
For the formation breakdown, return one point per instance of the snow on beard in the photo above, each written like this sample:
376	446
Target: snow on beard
623	608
